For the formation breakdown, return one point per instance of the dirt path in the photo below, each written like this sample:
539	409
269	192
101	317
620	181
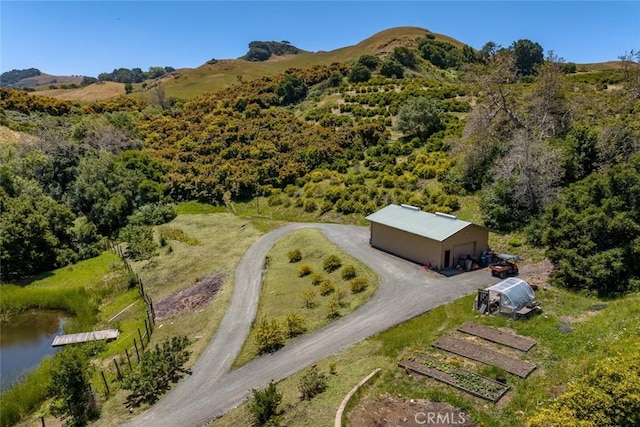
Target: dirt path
405	291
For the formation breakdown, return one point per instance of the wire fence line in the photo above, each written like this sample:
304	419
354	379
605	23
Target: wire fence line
125	363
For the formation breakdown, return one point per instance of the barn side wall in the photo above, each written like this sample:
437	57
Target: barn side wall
406	245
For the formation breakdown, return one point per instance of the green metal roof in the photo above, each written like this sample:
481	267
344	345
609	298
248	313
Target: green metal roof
436	226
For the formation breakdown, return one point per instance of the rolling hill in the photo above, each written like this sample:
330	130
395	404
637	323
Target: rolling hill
45	80
187	83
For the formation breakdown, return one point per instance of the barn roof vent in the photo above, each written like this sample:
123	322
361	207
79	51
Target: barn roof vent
413	208
444	215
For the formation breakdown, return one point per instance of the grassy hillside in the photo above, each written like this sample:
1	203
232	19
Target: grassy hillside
94	92
188	83
44	80
226	73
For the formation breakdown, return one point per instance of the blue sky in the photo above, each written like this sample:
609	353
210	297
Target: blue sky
89	37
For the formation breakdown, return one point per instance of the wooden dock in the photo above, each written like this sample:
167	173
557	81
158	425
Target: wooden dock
107	334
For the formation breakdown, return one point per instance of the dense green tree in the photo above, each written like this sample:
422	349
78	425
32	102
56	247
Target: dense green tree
404	55
369	61
469	55
392	68
440	53
581	153
359	73
140	243
85	238
420	117
334	80
436	55
503	209
593	232
109	188
292	89
528	55
36	230
71	387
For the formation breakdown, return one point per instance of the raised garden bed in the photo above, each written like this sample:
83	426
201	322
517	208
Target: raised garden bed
485	355
495	335
469	382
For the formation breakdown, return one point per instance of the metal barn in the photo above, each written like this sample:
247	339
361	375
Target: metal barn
435	239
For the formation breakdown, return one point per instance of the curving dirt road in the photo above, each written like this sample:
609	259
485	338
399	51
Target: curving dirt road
405	291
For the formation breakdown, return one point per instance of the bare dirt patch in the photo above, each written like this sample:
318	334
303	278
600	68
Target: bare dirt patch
537	274
193	298
389	411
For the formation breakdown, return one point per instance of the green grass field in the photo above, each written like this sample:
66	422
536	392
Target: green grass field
282	288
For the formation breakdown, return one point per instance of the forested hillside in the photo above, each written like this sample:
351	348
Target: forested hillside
424	124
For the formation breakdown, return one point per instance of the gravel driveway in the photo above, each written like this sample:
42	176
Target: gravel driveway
405	291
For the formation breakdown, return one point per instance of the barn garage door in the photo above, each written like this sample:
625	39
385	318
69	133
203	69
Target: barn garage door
463	250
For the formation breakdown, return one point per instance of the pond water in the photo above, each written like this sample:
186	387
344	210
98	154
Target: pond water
25	340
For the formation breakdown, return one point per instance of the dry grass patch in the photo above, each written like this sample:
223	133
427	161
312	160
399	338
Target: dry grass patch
224	239
283	289
94	92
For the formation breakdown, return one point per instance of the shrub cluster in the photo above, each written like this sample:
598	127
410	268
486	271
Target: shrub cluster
312	383
304	270
331	263
295	255
359	284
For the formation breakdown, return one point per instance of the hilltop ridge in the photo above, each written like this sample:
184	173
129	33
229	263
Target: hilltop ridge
264	59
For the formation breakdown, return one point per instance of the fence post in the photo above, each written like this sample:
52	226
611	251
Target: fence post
147	329
42	419
115	362
153	312
126	351
141	341
106	386
135	344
